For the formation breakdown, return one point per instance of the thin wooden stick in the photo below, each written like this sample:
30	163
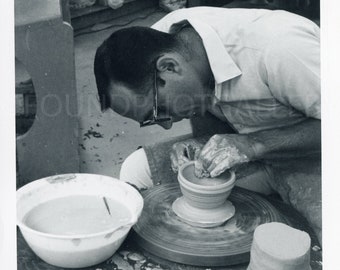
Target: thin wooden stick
107	206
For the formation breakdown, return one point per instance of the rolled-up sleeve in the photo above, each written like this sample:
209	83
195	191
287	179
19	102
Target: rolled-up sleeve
293	71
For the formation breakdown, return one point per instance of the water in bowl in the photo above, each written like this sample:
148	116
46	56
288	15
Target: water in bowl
74	215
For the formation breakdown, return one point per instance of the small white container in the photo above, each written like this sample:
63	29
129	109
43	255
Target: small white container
277	246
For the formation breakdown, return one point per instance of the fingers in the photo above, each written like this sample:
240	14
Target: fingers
216	158
219	163
220	168
203	158
197	153
199	170
209	157
178	156
213	165
183	152
177	162
190	152
174	162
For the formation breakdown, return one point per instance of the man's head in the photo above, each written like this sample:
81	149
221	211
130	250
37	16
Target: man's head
125	67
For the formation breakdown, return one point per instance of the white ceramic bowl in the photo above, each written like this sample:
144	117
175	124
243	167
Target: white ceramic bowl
75	251
200	193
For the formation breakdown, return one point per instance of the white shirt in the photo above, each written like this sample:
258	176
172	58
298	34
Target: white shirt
266	64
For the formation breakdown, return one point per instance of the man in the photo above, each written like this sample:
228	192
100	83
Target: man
257	72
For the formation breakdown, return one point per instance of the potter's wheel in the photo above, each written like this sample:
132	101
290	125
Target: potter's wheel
204	218
161	232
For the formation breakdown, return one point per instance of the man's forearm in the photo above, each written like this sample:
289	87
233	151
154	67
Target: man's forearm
299	140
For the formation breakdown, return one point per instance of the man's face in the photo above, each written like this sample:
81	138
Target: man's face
179	97
126	103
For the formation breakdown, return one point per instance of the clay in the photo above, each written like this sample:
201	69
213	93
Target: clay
204	202
204	218
189	174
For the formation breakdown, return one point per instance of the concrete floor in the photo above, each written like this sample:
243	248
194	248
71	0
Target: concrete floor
106	139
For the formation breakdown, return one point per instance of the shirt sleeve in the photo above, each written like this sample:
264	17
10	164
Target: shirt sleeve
293	71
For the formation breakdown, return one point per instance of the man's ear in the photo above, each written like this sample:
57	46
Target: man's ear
168	64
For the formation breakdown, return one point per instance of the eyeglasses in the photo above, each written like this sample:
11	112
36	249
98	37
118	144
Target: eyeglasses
155	118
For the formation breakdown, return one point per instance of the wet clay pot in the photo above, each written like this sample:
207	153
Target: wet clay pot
204	193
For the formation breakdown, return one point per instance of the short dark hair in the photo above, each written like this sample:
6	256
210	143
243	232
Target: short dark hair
128	56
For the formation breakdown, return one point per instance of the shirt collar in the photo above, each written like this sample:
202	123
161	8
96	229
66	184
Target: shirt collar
222	65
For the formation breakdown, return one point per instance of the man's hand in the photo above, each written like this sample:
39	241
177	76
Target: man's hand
183	152
223	152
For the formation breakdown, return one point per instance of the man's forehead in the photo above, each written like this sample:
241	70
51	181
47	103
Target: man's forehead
128	103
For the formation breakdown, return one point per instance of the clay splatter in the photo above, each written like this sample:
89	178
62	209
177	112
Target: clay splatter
93	133
60	178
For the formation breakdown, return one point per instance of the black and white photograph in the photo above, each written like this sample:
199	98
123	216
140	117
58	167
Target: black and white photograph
169	135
